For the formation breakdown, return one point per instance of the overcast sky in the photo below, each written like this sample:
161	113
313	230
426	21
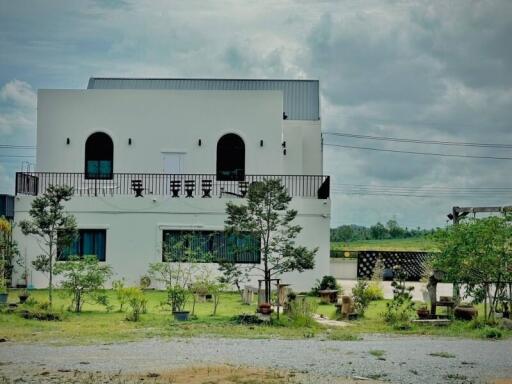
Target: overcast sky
412	70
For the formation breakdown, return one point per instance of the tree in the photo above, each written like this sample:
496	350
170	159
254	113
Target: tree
477	253
177	271
233	274
82	277
266	215
53	226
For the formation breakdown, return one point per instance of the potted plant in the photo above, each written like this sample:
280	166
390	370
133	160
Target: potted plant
265	308
3	294
465	312
23	296
177	299
423	312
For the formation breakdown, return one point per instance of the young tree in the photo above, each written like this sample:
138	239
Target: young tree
266	215
53	226
233	274
82	277
176	272
477	253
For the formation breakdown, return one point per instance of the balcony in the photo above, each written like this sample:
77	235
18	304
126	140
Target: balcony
173	185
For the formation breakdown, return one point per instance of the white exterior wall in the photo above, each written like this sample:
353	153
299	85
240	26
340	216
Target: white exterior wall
160	121
134	231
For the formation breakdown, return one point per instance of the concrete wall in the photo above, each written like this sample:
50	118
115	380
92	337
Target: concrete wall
343	269
134	230
161	121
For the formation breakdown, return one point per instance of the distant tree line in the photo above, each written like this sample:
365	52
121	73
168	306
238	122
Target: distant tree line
379	231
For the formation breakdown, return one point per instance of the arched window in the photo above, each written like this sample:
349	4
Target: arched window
99	156
230	158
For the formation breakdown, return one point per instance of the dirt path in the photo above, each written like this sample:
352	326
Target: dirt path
394	359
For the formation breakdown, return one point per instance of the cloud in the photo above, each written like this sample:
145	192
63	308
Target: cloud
432	70
19	93
17	107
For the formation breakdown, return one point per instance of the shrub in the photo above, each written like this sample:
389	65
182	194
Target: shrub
375	291
145	282
301	313
40	312
361	297
327	282
246	318
492	333
82	278
400	310
121	293
136	301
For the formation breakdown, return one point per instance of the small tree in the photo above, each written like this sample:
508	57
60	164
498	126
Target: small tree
233	274
177	270
52	226
82	278
266	215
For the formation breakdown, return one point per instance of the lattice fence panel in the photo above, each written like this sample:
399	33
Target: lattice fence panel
413	263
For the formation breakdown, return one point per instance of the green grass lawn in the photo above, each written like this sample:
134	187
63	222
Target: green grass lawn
411	244
95	325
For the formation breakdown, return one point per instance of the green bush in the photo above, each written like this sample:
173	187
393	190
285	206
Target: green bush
491	333
40	312
327	282
137	303
361	296
375	291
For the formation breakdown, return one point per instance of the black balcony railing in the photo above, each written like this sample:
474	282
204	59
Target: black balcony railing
174	185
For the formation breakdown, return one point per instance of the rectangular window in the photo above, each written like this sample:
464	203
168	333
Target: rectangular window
89	242
210	246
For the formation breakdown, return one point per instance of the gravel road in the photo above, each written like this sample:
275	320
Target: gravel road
394	359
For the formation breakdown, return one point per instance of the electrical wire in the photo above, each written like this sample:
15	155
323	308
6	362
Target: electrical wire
419	153
418	141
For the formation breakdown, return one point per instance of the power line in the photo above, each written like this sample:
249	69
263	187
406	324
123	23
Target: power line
17	156
418	141
422	187
419	153
385	194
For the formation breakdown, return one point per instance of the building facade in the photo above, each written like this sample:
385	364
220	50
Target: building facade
152	159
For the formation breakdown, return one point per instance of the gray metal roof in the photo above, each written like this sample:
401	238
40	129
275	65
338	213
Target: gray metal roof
300	97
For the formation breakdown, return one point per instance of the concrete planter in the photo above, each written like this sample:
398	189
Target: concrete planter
3	298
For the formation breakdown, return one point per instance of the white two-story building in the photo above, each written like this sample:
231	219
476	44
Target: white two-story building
154	159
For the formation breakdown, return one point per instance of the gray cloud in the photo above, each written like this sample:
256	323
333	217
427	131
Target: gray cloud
425	70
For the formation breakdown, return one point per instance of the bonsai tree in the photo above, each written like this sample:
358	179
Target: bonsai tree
83	277
266	215
53	227
478	254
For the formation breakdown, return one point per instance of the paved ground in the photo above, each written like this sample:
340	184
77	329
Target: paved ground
394	359
443	289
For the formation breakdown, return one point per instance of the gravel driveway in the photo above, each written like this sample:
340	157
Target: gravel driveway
394	359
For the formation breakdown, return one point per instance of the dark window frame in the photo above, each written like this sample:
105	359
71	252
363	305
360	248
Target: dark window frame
80	241
99	147
230	161
215	241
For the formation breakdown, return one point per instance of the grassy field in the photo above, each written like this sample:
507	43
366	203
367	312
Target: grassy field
410	244
95	325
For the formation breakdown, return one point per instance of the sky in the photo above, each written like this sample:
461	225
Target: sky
413	70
